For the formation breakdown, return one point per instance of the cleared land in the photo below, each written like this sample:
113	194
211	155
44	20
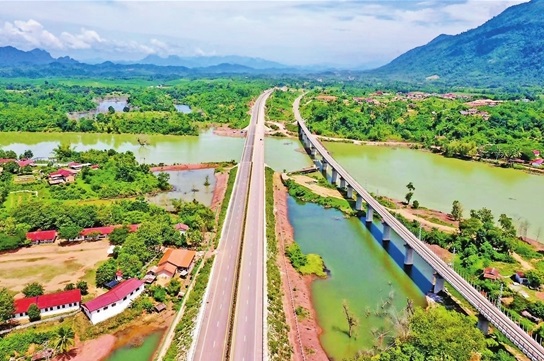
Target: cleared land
52	265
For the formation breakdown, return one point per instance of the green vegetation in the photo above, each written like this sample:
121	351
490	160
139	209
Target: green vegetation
508	130
17	343
279	106
185	327
7	307
306	195
306	264
33	289
44	106
278	339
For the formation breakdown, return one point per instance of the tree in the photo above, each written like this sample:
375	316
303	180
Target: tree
7	307
64	339
105	273
33	289
27	154
119	235
69	287
130	264
408	197
415	204
69	232
535	278
33	312
457	211
159	293
507	225
410	187
351	319
111	110
83	287
174	286
163	178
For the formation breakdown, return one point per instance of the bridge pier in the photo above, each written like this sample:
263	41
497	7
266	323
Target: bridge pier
386	235
350	192
369	212
342	183
483	324
323	165
438	283
409	256
359	203
313	151
334	176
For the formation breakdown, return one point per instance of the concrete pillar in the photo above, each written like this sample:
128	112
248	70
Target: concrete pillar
409	256
483	324
350	192
313	151
323	165
438	283
334	176
359	203
369	212
342	183
386	235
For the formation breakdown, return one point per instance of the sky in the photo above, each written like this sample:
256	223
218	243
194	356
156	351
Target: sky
341	33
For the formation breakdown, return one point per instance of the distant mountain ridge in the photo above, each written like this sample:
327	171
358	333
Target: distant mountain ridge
13	56
207	61
510	46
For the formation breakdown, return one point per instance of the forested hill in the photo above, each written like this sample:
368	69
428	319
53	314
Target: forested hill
508	48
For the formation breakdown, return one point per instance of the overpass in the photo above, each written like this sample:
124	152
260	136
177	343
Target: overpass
212	338
488	313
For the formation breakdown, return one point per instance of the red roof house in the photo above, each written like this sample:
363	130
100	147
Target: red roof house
181	227
114	301
491	273
62	176
42	236
59	302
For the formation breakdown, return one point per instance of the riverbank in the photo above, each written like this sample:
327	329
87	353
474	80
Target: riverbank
304	329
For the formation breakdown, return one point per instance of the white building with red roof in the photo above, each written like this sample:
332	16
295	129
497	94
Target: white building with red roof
38	237
114	301
51	304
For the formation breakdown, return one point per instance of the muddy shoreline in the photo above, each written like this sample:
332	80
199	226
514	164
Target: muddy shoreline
304	331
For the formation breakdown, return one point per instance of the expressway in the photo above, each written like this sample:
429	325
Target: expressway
518	336
248	336
212	334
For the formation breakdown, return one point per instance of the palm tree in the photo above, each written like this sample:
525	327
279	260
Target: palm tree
65	339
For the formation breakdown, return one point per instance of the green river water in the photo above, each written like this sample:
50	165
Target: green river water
440	180
143	352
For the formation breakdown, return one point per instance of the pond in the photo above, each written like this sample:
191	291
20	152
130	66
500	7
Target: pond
143	352
182	108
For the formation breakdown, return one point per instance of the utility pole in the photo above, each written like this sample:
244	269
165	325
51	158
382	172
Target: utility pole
499	298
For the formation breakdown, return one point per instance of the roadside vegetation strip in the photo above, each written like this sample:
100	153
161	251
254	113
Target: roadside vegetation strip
184	329
278	330
225	204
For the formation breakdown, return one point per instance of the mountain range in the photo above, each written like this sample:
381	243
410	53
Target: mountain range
508	47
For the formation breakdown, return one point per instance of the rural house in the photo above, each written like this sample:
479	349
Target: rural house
174	260
51	304
62	176
114	301
39	237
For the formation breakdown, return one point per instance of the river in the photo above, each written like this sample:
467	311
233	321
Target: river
362	272
439	181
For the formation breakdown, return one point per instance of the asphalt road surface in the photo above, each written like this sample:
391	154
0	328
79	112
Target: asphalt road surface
212	334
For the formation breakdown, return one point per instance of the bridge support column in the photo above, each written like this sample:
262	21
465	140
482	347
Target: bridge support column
438	283
386	235
359	203
369	213
313	151
483	324
334	176
342	183
323	165
350	192
409	256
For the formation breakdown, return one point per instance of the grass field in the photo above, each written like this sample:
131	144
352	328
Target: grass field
15	199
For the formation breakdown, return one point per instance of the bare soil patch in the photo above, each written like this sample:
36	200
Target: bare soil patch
312	184
227	131
221	180
52	265
183	167
304	333
92	350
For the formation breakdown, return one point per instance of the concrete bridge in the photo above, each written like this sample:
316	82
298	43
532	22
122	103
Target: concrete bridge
488	313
